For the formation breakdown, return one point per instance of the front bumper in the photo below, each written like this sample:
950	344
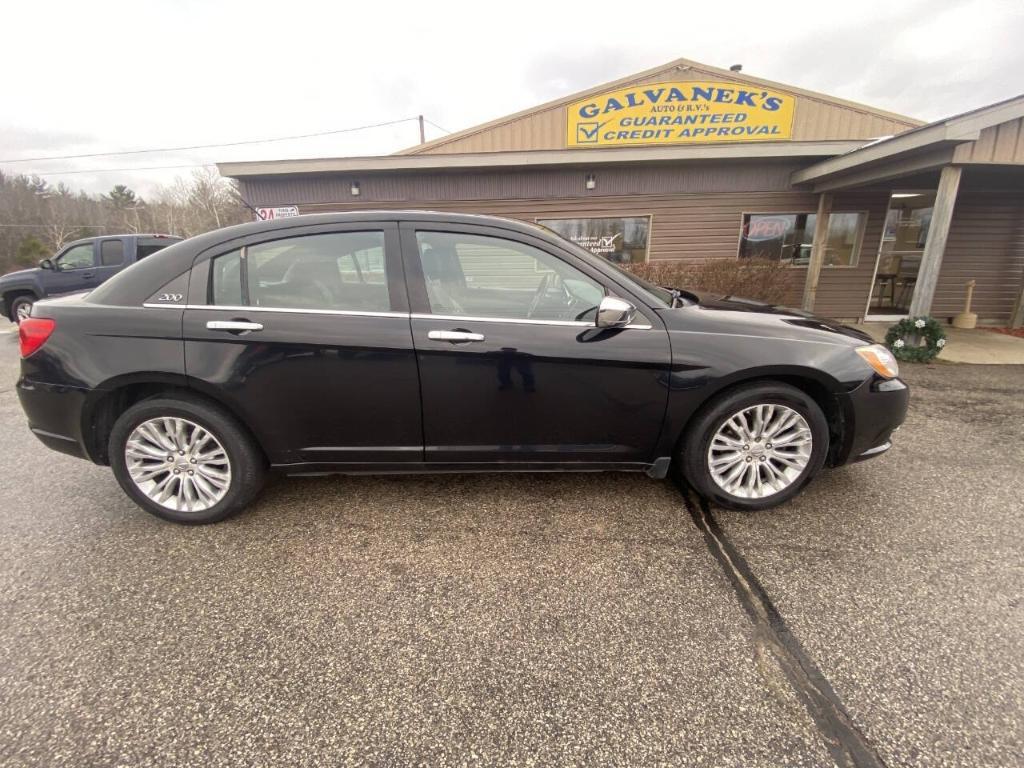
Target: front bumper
871	413
54	414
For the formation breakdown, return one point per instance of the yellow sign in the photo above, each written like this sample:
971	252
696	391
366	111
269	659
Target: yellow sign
680	113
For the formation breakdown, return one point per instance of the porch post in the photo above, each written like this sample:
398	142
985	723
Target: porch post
817	250
1017	317
935	247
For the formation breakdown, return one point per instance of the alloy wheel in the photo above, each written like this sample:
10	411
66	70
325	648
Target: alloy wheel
178	464
760	451
23	311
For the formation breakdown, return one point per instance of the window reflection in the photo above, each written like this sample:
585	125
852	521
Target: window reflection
788	237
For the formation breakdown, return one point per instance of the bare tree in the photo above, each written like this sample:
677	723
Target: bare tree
29	207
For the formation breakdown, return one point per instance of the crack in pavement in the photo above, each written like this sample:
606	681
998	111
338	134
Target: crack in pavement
845	742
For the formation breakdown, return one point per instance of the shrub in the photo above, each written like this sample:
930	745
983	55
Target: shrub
762	279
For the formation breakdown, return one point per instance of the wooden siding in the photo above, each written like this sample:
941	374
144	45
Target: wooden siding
986	244
843	291
817	118
1000	144
415	188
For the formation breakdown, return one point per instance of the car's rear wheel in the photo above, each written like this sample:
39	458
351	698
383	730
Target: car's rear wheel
185	460
21	308
755	446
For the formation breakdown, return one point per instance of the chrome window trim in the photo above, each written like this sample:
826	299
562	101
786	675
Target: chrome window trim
516	320
409	315
520	321
243	309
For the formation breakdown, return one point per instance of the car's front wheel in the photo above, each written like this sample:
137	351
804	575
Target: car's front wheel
185	460
755	446
21	308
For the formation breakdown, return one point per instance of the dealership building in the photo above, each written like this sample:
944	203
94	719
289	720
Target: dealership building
878	214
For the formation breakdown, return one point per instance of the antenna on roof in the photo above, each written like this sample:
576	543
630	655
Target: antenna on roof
736	68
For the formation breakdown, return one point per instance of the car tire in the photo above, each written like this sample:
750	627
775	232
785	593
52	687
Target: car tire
21	307
770	473
201	483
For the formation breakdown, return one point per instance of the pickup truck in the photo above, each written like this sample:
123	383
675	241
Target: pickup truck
79	266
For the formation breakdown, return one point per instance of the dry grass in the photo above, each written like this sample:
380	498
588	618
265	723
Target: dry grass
761	279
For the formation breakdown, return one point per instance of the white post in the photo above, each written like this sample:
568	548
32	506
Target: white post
817	251
935	247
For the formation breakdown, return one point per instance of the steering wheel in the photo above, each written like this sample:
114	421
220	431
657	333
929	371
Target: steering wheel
542	288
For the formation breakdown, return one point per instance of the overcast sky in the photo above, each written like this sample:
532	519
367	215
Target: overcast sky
88	77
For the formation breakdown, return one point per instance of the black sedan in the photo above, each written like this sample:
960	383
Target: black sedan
426	342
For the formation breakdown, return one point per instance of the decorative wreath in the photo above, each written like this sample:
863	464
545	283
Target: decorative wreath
916	339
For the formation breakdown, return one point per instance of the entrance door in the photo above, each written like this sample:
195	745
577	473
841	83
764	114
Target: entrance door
512	367
899	257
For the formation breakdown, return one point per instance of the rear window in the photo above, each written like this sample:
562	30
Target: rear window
148	249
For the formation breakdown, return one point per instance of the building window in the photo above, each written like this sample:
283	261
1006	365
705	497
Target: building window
788	237
622	240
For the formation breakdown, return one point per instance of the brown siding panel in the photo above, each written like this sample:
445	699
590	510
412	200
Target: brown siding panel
986	244
1001	144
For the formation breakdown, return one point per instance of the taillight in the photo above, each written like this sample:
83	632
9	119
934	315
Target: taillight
33	332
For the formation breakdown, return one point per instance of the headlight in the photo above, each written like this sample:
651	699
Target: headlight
881	360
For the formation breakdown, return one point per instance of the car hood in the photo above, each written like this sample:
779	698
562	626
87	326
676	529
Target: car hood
734	314
19	274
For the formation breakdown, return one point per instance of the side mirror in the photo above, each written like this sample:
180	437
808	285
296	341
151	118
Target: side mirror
615	313
46	264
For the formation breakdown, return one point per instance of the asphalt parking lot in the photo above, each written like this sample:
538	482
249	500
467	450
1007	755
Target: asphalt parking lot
527	620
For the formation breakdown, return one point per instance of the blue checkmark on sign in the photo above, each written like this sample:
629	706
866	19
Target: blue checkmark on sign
586	133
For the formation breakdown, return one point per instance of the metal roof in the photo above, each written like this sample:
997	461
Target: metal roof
669	69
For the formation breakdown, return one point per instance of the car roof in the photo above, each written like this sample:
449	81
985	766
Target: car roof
94	238
310	219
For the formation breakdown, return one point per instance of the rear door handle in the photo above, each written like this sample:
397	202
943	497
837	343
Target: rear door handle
234	326
87	275
454	336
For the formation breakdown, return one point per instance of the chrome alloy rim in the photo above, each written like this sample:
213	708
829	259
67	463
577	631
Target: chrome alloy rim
178	464
23	311
760	451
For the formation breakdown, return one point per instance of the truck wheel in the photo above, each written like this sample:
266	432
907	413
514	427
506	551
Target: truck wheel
755	446
185	460
21	308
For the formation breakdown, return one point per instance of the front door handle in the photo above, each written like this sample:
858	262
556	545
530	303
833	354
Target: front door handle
454	336
87	275
234	326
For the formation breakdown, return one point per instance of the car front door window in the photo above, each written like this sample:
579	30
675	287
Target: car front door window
79	257
470	275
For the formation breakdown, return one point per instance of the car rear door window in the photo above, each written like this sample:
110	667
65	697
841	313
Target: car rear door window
479	276
226	279
111	253
340	271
